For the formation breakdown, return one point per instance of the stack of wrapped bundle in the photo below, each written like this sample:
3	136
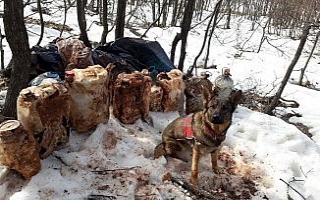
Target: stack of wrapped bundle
43	111
18	149
89	91
131	98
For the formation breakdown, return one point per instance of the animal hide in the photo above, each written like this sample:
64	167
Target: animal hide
194	93
89	90
18	149
131	98
156	95
74	53
173	87
44	112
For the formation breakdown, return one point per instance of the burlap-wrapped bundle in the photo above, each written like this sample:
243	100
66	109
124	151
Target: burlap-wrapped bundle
173	87
18	149
193	92
89	90
43	111
156	95
131	98
74	53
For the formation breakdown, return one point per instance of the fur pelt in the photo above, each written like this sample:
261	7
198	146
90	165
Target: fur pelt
44	112
74	53
173	87
131	98
18	149
194	94
89	91
156	95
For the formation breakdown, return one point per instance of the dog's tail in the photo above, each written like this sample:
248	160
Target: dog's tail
159	150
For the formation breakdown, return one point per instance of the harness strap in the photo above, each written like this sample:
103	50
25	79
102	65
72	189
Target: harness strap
187	127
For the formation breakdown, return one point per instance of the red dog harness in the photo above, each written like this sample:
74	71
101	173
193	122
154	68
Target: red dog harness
187	127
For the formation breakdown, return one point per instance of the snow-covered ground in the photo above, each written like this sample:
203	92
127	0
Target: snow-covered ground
260	150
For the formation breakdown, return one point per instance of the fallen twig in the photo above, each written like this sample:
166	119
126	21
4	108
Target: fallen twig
106	171
200	193
100	197
60	159
289	186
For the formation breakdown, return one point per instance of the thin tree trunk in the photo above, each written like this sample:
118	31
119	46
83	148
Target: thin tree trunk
64	17
104	22
82	22
41	22
16	34
174	13
310	55
154	22
216	13
186	22
276	98
229	10
1	50
194	65
120	21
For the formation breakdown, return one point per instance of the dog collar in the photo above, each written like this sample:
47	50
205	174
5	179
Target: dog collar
187	127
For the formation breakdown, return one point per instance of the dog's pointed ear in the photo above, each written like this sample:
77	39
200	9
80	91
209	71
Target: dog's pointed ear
235	98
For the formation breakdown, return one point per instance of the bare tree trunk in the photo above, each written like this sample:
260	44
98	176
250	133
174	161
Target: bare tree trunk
194	65
120	21
64	17
276	98
185	27
164	12
104	22
41	22
229	10
174	13
216	14
1	50
154	22
153	6
82	22
310	55
17	38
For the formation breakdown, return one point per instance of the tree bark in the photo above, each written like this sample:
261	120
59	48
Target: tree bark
82	22
64	17
276	98
307	62
1	50
216	13
104	22
41	22
120	21
17	38
185	27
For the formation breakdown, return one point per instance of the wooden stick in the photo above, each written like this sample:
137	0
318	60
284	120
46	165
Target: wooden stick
289	186
201	194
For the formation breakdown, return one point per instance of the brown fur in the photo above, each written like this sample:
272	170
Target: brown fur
209	127
44	112
131	97
194	94
89	91
74	53
173	87
18	150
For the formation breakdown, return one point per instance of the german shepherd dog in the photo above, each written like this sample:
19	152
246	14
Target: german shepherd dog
201	132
